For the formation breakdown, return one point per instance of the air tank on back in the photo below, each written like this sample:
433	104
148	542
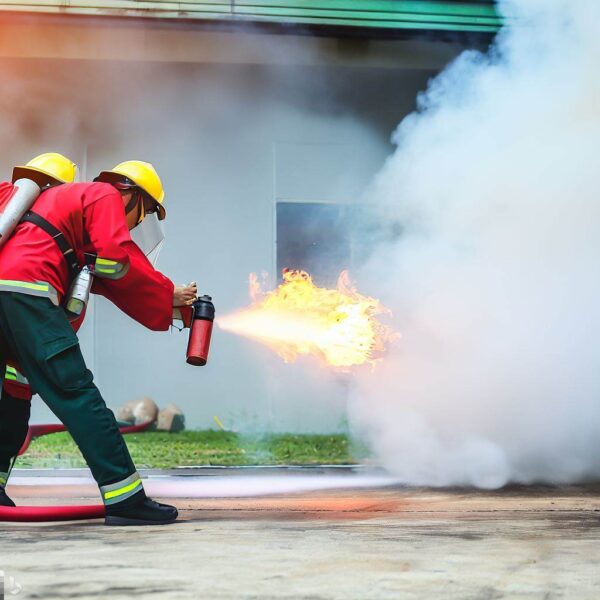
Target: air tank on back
24	195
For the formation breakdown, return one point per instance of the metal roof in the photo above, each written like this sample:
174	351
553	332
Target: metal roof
409	15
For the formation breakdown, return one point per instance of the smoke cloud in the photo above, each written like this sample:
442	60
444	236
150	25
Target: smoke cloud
494	281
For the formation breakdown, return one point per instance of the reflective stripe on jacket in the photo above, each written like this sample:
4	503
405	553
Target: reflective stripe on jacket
13	374
39	288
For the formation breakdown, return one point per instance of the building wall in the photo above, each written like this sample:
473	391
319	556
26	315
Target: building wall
230	140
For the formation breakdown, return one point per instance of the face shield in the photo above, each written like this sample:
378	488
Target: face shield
149	236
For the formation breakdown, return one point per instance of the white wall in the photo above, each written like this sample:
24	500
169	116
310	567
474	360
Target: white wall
229	141
220	228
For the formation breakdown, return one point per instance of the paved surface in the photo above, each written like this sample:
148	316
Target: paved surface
359	544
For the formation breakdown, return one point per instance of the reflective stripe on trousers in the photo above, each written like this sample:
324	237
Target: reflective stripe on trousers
117	492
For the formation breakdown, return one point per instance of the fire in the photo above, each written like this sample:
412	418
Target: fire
339	326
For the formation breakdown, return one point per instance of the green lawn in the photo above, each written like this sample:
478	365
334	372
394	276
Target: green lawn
166	450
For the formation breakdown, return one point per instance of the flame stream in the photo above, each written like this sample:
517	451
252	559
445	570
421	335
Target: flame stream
339	326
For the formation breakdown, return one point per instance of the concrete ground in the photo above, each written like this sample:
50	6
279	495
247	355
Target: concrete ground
388	542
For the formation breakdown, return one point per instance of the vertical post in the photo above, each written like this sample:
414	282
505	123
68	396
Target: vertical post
91	305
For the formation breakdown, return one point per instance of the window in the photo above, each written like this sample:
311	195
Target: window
324	239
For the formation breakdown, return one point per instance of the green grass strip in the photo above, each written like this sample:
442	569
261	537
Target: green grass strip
168	450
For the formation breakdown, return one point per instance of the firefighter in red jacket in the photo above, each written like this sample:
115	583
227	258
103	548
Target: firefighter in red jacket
72	225
46	170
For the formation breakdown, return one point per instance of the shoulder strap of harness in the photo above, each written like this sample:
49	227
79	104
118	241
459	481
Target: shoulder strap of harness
59	238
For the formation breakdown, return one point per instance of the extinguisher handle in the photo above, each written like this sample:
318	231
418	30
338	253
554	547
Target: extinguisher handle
187	315
184	314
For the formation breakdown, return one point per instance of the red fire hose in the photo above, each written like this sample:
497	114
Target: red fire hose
30	514
36	431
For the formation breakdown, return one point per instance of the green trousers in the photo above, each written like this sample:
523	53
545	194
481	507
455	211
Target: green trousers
37	334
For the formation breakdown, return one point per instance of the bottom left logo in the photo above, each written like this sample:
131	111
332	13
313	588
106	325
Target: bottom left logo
8	585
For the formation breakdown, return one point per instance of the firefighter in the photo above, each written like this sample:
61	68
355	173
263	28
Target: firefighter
46	170
90	221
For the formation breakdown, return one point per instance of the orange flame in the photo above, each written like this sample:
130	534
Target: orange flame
338	325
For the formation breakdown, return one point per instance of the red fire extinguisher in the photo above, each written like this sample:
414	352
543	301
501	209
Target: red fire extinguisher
200	331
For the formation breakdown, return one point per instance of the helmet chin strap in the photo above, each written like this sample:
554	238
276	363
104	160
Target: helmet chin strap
133	202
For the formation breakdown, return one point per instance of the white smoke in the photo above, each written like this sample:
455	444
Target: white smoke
495	281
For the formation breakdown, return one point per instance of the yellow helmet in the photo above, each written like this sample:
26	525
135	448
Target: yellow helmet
141	174
46	169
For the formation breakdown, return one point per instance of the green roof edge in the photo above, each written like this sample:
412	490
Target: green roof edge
441	15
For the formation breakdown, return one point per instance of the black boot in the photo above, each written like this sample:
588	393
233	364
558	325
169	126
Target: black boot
4	499
142	511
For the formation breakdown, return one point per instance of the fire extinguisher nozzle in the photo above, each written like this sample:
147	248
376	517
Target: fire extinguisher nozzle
196	361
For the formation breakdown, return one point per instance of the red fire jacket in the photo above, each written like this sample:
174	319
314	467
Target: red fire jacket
92	218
